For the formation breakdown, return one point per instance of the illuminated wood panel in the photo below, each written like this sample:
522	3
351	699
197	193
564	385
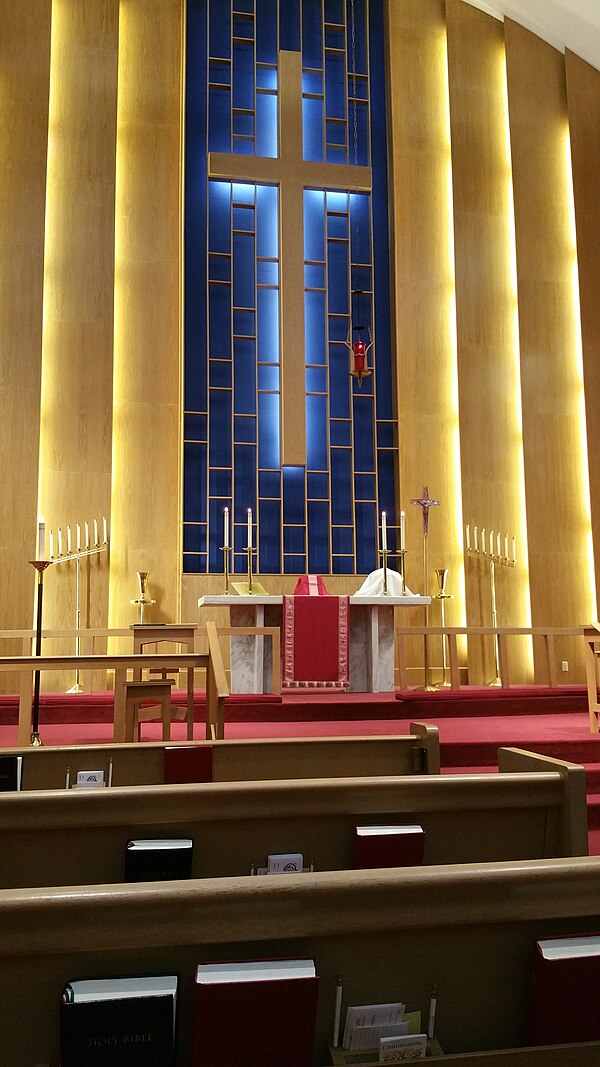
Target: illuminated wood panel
583	96
556	478
146	495
424	307
75	440
486	304
24	88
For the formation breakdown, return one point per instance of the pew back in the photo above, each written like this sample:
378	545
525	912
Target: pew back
469	929
73	837
417	752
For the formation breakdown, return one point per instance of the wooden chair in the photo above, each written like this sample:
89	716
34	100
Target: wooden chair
136	692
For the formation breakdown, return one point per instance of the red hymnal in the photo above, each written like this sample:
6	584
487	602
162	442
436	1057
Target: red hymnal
563	1004
257	1013
188	763
388	846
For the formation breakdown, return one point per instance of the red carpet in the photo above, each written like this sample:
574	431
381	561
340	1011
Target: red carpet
469	740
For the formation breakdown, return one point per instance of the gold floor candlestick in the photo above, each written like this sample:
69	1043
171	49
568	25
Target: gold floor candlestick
441	574
497	680
427	687
40	566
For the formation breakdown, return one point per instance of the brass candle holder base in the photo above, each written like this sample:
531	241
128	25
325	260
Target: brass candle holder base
36	741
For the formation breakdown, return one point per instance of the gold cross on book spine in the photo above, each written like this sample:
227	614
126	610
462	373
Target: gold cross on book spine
292	174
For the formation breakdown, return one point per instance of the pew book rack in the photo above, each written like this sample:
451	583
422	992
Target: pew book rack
340	1058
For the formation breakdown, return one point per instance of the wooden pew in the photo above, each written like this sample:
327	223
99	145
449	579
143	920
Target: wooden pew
469	929
69	837
254	759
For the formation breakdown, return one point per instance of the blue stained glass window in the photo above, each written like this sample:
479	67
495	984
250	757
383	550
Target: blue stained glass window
266	31
268	325
312	129
268	435
293	495
316	433
266	125
348	479
269	553
318	535
267	232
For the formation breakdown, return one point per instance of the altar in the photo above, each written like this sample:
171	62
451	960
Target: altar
371	639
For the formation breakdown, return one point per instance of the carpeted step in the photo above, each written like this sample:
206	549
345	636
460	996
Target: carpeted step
469	770
593	806
594	842
592	777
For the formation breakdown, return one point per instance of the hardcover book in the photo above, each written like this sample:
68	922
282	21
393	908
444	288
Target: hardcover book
563	1000
158	859
257	1013
188	763
118	1022
11	772
388	846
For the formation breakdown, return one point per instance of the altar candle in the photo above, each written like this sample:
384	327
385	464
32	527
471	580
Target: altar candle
87	534
51	553
68	539
383	532
95	531
59	541
476	539
514	550
105	530
402	531
249	527
468	532
41	538
491	542
483	540
226	528
506	546
498	544
78	537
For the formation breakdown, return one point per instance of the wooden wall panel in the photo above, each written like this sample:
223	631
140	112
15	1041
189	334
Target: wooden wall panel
486	303
24	88
146	495
423	295
77	363
555	468
583	98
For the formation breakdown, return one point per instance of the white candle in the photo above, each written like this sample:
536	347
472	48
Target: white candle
249	527
87	535
95	531
483	540
402	531
491	542
68	539
514	550
226	528
78	537
498	544
383	532
51	553
41	538
59	541
468	531
506	546
476	539
105	530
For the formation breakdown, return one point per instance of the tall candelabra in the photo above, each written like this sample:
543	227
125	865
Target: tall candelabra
489	549
426	502
441	574
84	546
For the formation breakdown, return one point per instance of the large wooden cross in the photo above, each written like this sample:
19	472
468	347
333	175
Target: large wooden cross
292	175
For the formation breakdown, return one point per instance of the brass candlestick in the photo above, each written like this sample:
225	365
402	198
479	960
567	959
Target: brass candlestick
226	549
494	557
40	566
400	554
441	574
250	587
426	502
384	553
143	600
